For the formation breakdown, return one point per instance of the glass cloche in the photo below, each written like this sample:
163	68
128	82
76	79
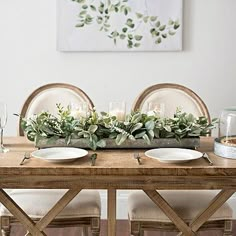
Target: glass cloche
227	126
225	144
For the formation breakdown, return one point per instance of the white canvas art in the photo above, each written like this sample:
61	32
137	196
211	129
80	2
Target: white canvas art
119	25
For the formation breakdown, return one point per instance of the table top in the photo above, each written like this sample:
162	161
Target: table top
111	162
114	168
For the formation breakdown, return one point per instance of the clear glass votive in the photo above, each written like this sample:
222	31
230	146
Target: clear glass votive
79	110
155	109
117	109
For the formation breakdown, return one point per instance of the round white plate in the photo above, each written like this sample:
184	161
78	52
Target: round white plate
173	155
59	154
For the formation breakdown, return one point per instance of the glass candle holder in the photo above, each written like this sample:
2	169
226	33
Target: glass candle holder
117	109
79	110
155	109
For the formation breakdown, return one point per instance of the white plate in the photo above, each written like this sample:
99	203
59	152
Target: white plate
59	154
173	155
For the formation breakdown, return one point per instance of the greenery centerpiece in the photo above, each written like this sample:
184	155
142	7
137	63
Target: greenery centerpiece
97	128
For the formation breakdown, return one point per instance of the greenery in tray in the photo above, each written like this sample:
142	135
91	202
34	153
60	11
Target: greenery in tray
95	128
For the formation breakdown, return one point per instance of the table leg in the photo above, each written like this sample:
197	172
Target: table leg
167	209
35	229
214	205
199	220
111	212
19	214
57	208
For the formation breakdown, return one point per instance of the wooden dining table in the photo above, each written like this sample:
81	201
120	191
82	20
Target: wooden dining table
114	169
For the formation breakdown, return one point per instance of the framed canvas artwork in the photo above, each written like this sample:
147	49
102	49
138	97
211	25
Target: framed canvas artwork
119	25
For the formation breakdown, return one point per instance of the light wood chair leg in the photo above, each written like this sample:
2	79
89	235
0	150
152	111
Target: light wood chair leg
5	226
94	233
228	229
95	226
85	231
135	229
141	232
136	234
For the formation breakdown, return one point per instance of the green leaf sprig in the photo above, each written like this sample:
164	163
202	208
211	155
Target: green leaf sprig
97	127
101	13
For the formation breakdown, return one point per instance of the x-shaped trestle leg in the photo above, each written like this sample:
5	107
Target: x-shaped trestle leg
199	220
32	227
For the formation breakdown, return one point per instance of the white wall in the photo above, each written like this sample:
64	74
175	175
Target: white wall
28	58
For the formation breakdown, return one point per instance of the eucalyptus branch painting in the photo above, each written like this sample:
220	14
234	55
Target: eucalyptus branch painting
120	25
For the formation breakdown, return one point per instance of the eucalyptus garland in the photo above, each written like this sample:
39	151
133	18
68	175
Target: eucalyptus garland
97	127
101	12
